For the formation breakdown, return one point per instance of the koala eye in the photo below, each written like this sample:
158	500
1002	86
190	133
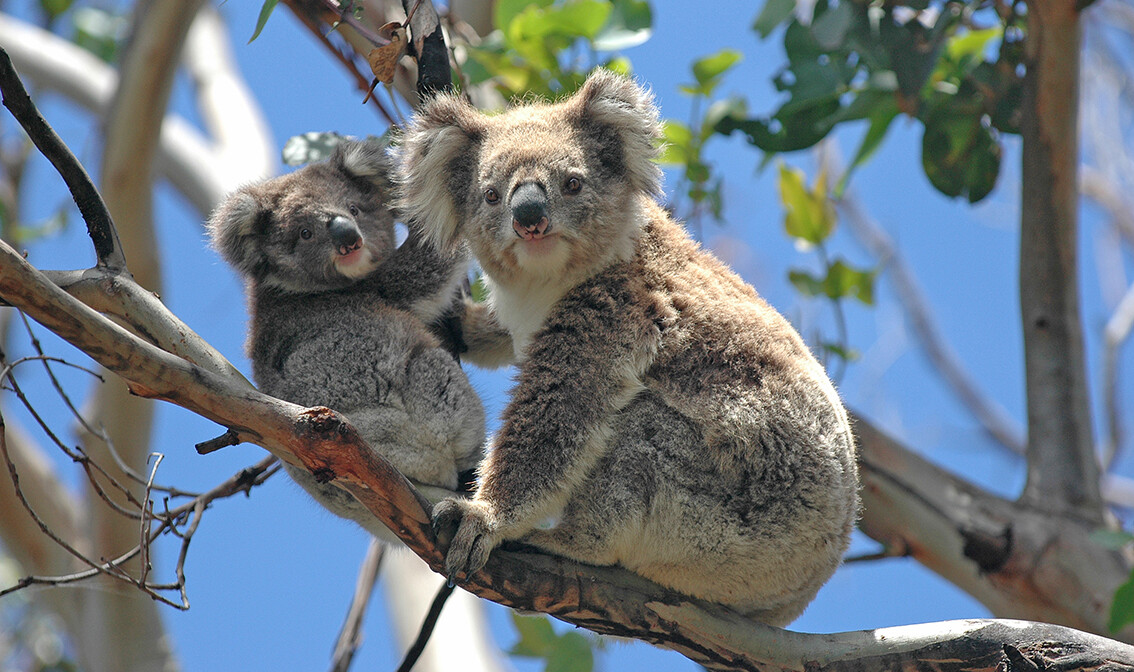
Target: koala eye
491	196
305	234
353	210
573	185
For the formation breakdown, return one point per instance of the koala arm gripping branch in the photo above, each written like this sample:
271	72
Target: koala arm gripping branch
582	367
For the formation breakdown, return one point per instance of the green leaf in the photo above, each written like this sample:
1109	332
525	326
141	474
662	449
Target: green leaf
100	32
842	352
537	639
53	8
678	141
733	106
844	281
571	653
630	24
507	10
309	147
709	70
773	14
808	215
1114	540
973	44
1122	609
958	152
805	283
262	20
830	28
880	120
479	290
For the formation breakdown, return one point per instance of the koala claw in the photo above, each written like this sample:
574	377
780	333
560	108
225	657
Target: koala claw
475	538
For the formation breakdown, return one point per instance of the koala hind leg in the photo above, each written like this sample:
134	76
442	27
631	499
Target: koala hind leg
661	506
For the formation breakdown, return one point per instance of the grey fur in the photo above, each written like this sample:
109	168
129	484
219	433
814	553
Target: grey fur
665	417
350	332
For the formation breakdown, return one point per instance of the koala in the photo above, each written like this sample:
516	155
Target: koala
665	418
339	315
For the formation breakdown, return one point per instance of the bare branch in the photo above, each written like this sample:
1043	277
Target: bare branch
87	198
414	652
1116	332
991	415
350	635
185	157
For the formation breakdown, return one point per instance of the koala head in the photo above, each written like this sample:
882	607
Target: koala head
540	189
321	227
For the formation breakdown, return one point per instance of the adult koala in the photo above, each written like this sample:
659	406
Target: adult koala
665	419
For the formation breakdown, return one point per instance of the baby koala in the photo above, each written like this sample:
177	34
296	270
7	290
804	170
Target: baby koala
666	418
340	318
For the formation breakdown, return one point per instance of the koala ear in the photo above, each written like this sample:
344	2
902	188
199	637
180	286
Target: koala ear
623	106
436	164
365	159
235	228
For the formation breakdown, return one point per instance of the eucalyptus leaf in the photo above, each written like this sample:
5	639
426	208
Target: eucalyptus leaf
630	23
571	653
808	215
709	70
1122	609
537	639
772	15
262	19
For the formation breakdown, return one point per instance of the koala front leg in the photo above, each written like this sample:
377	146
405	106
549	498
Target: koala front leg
418	278
582	367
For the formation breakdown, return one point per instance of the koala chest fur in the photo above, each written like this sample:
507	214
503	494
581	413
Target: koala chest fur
664	418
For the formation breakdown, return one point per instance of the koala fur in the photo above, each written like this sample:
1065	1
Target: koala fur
665	418
339	315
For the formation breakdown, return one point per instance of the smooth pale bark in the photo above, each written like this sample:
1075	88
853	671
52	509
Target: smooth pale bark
1063	474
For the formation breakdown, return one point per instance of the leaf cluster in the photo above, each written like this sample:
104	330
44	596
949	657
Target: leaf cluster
547	47
954	66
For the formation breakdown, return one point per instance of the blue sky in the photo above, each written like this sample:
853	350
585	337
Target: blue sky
270	576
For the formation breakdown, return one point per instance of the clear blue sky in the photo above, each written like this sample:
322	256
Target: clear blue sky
270	576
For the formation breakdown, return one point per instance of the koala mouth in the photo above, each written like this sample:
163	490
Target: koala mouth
345	250
534	231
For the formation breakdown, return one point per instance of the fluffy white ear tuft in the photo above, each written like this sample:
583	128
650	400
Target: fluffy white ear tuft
234	228
436	164
366	159
621	104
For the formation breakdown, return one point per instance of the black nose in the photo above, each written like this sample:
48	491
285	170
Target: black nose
345	235
529	205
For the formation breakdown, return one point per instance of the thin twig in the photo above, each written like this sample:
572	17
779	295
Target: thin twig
314	26
427	626
349	638
91	206
76	454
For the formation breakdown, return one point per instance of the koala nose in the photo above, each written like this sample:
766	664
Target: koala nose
529	212
345	235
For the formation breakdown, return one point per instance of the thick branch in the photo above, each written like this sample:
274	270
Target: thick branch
604	599
1019	562
1063	474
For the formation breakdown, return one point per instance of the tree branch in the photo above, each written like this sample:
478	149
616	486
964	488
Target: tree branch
605	599
87	198
1063	474
185	157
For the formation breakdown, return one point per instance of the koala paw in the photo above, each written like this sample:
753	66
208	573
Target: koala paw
475	538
